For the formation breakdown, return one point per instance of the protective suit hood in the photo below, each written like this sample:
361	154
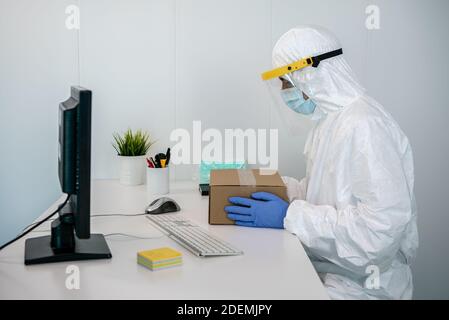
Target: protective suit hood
332	85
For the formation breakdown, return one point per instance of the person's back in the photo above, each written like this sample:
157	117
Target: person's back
336	174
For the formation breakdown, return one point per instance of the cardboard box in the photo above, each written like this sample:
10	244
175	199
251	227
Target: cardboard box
239	183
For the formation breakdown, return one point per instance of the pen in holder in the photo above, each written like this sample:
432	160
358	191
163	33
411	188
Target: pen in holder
158	182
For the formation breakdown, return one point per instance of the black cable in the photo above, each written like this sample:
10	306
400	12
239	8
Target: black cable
36	224
119	234
118	215
98	215
133	236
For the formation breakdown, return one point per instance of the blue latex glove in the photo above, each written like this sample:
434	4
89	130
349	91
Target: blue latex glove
264	210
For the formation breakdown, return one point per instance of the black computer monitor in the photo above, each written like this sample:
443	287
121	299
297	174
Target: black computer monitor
70	237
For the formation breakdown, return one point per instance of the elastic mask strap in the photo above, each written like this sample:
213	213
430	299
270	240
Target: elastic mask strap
317	59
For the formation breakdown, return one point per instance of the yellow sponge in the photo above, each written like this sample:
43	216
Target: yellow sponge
158	259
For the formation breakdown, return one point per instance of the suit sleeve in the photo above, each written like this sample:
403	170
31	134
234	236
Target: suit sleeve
296	190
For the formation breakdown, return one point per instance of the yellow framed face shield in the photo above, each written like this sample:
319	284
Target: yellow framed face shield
300	64
287	94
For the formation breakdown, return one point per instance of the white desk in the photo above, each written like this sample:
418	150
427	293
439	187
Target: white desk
274	264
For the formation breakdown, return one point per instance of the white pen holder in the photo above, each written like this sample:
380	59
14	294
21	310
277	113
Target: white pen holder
158	181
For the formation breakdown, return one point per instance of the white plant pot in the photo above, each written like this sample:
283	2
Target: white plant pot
132	170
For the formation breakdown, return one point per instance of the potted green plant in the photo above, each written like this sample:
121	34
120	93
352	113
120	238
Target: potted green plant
132	148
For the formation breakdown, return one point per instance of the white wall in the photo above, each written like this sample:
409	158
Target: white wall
127	52
38	63
409	73
160	64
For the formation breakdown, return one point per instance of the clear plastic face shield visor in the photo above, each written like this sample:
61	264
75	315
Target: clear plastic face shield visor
289	97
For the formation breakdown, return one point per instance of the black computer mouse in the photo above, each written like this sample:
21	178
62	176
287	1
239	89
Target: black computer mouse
162	205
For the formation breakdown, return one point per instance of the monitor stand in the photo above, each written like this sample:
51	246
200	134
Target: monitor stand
63	245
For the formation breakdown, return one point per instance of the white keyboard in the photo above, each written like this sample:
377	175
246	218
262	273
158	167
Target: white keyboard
193	237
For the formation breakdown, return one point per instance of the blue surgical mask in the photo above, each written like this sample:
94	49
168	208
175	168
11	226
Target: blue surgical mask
294	99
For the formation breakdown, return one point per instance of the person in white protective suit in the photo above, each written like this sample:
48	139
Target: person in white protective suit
354	212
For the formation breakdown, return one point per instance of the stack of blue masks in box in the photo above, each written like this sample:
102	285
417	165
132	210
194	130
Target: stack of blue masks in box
206	167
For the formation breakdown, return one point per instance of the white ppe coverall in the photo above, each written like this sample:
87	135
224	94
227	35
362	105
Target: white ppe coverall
354	212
